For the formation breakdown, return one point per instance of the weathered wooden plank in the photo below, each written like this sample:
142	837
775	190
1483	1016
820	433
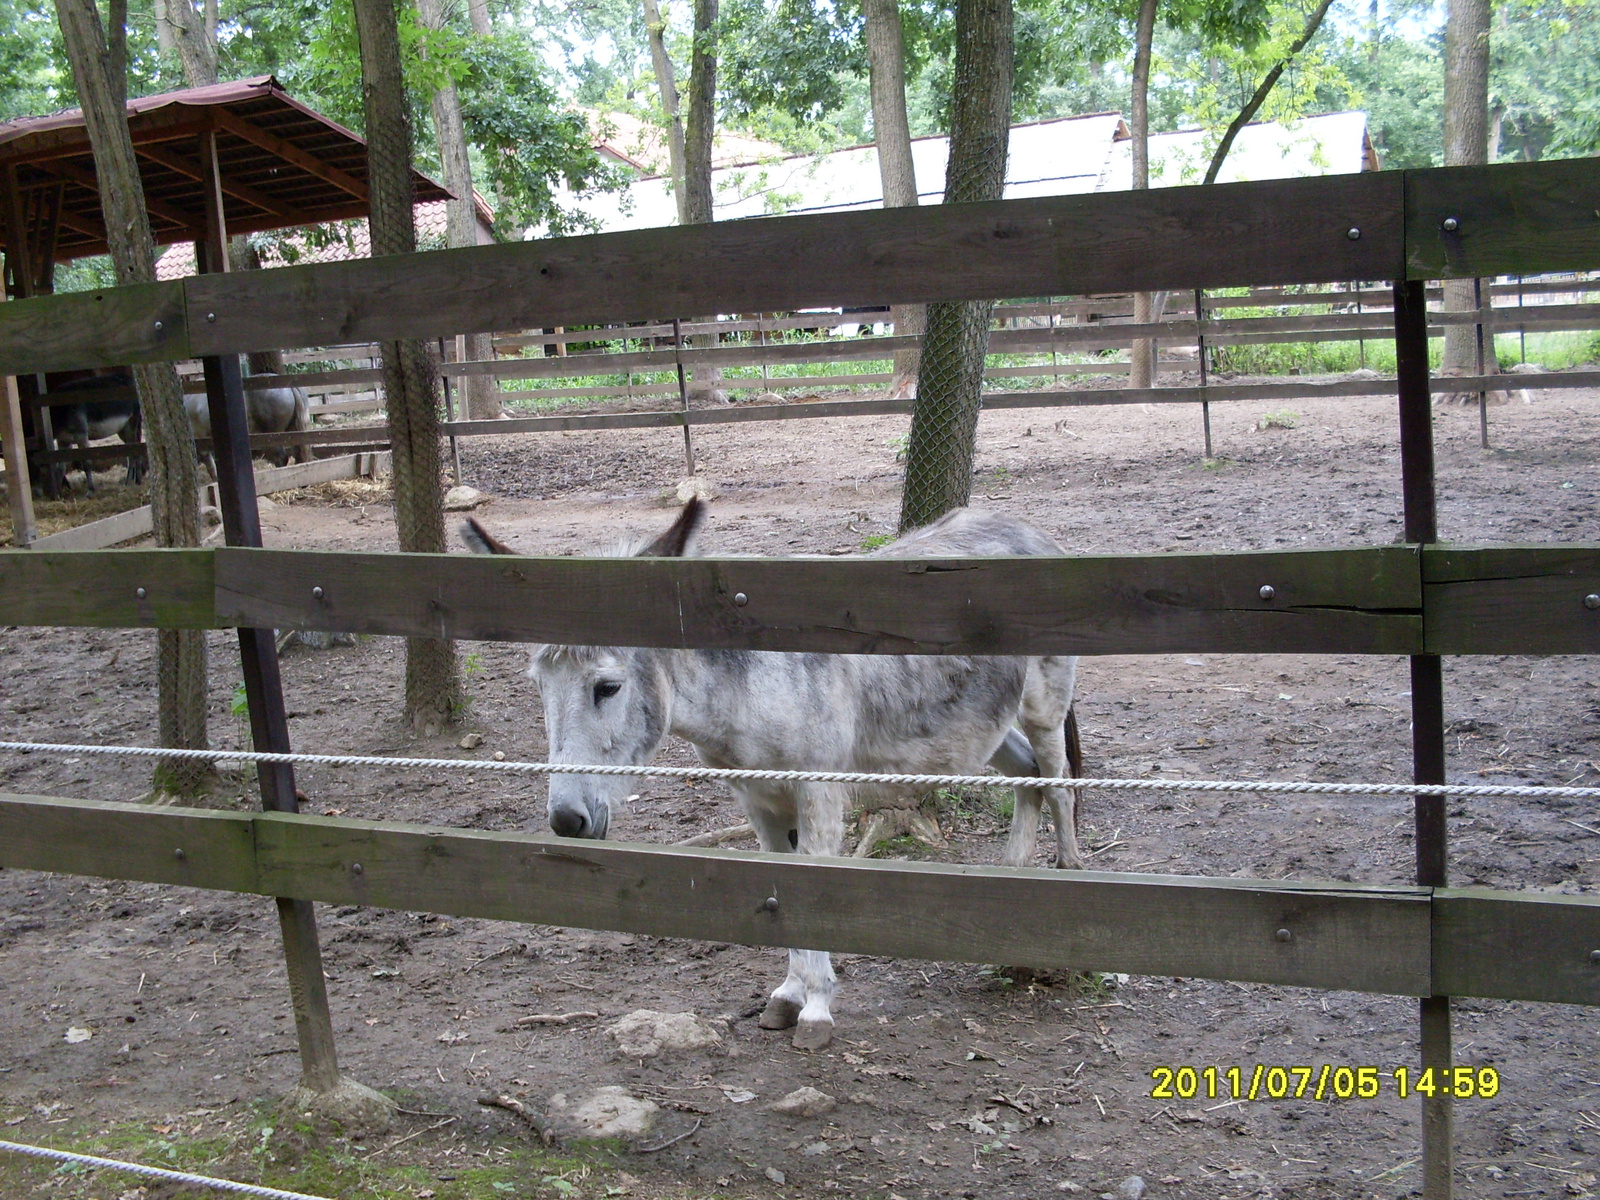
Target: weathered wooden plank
100	588
812	410
1334	601
1366	939
1511	219
1511	599
98	535
1344	936
112	328
1516	946
1234	234
188	846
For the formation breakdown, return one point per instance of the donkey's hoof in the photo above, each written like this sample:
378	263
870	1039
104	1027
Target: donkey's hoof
779	1014
1068	864
813	1033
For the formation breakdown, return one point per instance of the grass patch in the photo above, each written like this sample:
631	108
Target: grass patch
1283	418
258	1146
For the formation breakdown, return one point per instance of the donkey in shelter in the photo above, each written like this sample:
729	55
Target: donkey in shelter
269	410
910	714
109	407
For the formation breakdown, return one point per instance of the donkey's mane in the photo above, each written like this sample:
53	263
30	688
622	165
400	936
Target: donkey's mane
551	654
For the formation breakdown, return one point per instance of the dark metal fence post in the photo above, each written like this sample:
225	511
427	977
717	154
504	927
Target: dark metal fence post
269	724
1200	341
1427	711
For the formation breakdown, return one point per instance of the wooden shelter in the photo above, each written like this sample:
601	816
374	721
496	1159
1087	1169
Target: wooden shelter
233	158
215	161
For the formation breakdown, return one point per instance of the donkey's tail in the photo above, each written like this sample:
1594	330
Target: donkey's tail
1075	763
480	541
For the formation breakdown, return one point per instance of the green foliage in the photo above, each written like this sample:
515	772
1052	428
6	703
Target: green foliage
1545	77
875	540
787	55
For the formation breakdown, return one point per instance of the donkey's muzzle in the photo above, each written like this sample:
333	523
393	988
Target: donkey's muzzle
575	823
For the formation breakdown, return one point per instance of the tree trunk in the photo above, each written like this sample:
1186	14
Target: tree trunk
944	420
701	126
667	82
699	132
1466	143
886	60
478	14
193	35
101	81
410	375
1142	356
480	394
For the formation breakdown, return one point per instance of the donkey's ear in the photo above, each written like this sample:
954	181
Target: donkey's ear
678	542
480	541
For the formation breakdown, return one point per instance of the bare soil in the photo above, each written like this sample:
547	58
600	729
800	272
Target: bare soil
951	1080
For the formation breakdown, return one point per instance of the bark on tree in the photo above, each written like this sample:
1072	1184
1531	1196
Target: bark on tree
701	125
100	77
667	82
480	394
193	35
478	14
410	374
1466	143
1142	355
886	62
699	133
944	420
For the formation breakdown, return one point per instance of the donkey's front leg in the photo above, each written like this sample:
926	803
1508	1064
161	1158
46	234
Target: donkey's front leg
821	819
773	820
804	1000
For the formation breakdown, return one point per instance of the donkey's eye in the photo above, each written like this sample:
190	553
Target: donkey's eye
605	689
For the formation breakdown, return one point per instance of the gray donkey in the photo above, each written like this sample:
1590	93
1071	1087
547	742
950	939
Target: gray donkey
269	410
911	714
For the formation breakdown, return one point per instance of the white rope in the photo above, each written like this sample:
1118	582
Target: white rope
112	1164
1277	787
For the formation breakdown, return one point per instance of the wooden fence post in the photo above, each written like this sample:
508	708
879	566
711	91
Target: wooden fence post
1427	712
269	724
19	492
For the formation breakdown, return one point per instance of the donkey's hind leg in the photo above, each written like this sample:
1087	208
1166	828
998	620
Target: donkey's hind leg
1045	716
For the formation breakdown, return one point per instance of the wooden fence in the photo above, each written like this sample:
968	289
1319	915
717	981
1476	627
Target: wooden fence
1417	599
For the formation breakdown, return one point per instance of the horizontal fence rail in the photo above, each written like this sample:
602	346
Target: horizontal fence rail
1374	600
367	437
1394	940
1514	218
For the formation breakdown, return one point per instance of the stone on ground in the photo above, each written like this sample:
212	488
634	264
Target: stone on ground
805	1102
645	1033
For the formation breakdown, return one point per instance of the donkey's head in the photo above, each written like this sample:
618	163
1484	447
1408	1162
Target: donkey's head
603	705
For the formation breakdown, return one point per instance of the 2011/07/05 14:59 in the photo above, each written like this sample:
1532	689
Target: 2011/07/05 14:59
1319	1083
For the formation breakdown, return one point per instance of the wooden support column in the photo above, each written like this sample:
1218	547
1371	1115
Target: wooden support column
21	258
258	654
269	724
1427	714
211	248
19	492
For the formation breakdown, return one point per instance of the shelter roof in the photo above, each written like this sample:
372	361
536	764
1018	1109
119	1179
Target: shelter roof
1327	144
1058	157
281	164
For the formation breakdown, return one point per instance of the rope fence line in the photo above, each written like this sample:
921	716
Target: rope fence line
1269	787
112	1164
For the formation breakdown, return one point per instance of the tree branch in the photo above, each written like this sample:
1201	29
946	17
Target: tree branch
1313	23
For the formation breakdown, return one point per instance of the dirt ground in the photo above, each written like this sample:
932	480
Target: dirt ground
950	1080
